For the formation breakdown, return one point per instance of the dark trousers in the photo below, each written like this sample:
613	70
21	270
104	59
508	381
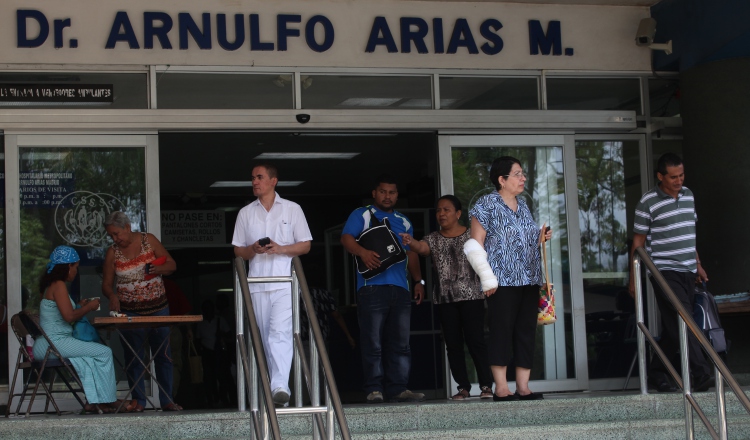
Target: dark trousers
463	322
682	284
162	359
384	314
512	321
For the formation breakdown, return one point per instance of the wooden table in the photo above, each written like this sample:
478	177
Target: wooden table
734	307
117	324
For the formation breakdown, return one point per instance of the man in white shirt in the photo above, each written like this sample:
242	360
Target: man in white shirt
284	223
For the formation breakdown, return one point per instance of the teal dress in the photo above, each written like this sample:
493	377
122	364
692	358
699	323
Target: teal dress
92	361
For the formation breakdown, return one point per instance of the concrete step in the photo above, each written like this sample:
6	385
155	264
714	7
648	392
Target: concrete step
612	416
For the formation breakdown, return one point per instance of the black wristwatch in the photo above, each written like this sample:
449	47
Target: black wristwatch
420	282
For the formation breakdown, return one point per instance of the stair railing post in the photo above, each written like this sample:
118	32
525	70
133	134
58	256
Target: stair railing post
295	330
685	364
314	377
721	406
640	337
239	319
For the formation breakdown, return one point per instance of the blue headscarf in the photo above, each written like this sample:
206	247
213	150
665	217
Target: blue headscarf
62	255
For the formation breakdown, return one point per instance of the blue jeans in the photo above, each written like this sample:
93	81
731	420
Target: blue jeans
162	361
384	314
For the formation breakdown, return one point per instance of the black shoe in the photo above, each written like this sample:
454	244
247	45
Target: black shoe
508	398
663	386
703	383
531	396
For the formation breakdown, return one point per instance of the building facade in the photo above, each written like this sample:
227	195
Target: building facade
159	109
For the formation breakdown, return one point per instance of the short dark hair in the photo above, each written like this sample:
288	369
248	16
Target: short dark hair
667	160
501	167
270	169
454	201
385	178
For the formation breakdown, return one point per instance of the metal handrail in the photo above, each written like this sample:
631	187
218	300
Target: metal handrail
255	367
722	373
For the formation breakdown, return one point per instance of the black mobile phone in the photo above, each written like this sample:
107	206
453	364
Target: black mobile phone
265	241
147	268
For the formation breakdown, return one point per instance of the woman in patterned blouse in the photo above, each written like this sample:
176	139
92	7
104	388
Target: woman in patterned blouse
458	297
132	265
502	224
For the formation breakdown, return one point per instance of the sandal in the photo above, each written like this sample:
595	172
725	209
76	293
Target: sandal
171	407
461	395
486	392
128	406
91	409
98	409
138	408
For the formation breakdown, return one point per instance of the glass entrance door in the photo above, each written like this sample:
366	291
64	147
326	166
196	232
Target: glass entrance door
465	162
611	180
59	190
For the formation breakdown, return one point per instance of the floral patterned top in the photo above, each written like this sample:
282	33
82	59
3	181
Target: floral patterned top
135	293
456	279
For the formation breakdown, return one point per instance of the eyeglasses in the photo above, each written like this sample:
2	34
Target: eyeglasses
518	175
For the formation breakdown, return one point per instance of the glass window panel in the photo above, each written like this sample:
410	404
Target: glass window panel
488	93
130	89
366	92
663	95
224	91
609	187
545	196
66	193
594	94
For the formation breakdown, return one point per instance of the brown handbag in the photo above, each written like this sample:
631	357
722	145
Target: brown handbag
546	314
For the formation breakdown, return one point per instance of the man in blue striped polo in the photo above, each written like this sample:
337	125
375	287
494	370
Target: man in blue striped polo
665	223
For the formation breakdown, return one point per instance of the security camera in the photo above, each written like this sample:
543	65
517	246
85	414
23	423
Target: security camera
303	118
646	32
645	36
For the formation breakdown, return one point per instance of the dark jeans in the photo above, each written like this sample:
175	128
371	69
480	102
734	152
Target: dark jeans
162	361
384	314
463	322
683	285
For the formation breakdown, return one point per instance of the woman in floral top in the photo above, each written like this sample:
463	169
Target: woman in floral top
458	297
502	224
132	264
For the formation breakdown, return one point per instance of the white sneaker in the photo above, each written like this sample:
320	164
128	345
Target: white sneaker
280	396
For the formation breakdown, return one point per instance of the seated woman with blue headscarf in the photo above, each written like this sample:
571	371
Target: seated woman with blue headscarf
57	314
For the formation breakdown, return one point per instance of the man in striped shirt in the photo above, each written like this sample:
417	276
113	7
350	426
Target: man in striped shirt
665	223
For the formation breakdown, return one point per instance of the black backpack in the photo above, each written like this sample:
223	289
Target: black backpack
379	237
706	315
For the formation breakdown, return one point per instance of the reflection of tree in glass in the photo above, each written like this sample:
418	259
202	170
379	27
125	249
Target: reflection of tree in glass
601	205
118	172
35	250
471	172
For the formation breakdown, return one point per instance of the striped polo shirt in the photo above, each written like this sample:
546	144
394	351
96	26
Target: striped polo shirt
669	226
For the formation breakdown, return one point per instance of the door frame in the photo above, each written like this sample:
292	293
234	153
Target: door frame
567	141
14	140
646	170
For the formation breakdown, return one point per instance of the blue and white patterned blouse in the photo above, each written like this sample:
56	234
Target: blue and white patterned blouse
512	240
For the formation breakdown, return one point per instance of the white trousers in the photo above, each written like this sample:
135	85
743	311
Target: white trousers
273	311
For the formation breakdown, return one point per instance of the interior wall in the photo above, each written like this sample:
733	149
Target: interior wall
715	109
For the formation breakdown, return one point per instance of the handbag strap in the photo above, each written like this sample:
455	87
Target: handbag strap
544	261
191	348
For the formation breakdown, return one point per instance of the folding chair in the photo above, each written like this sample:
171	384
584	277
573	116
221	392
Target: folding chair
26	324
